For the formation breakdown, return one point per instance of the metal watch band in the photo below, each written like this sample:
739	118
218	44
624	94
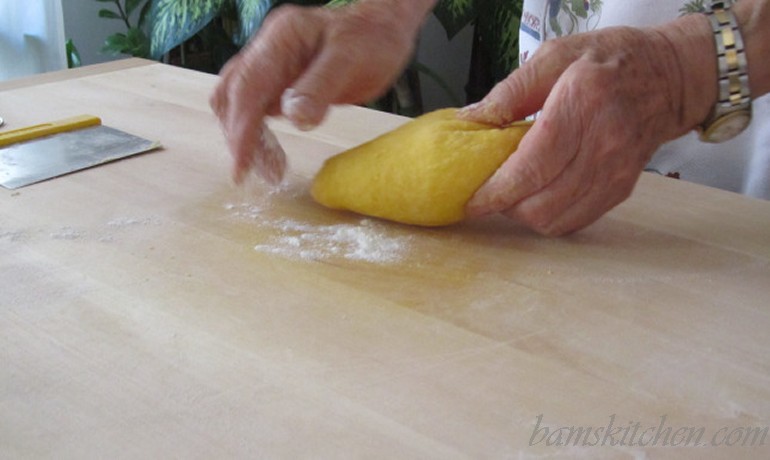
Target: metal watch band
731	58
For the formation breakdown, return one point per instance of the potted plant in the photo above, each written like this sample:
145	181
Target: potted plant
495	51
134	41
164	25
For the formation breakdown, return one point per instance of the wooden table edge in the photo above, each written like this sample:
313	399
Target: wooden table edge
71	74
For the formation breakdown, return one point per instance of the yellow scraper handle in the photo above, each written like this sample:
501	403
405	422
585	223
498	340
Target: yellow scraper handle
44	129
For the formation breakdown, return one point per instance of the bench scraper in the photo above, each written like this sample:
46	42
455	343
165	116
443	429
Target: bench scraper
36	153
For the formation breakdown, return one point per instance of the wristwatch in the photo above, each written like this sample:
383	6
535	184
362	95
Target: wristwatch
732	112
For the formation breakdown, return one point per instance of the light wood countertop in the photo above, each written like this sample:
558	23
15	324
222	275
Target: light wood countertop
151	309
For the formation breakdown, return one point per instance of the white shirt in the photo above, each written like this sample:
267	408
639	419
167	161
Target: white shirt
741	164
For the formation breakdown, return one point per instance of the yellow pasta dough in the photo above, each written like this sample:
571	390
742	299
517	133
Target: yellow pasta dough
422	173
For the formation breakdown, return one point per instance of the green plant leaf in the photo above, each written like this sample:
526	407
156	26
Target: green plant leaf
132	5
73	56
339	3
579	8
300	2
138	44
174	21
454	15
115	44
693	6
109	14
498	24
134	43
143	14
251	14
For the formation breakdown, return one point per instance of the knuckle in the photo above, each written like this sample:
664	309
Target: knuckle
551	47
560	48
513	87
535	174
286	30
281	16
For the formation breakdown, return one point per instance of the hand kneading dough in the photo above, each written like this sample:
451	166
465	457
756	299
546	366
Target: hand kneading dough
421	173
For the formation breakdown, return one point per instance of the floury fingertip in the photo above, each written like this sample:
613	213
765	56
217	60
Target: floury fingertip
270	159
301	110
468	109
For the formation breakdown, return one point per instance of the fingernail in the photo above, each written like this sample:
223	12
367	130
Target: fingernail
489	198
478	205
474	208
484	112
471	107
480	112
301	110
468	110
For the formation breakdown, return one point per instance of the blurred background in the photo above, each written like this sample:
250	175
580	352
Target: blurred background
463	49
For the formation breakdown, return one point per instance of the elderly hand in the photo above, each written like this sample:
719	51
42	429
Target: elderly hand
304	59
609	99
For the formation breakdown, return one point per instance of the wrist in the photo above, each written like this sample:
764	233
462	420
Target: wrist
693	59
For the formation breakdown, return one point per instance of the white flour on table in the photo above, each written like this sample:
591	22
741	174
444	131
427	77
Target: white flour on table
365	240
67	233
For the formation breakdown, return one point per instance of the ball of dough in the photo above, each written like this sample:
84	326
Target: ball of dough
422	173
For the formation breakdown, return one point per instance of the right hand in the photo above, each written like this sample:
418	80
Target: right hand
304	59
609	99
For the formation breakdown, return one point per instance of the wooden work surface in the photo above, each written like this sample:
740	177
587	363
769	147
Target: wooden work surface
149	308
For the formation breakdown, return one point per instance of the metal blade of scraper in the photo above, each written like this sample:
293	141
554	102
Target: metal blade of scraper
44	158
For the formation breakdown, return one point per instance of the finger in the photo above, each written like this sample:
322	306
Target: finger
253	84
544	210
305	110
243	117
541	210
590	185
525	90
269	159
542	155
591	206
345	71
550	145
218	98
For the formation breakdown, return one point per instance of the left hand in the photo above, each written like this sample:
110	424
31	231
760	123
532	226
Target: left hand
303	60
609	99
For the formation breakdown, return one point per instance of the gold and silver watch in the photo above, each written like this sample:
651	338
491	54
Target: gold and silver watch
732	112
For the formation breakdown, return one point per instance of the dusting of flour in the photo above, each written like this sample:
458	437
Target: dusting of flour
364	240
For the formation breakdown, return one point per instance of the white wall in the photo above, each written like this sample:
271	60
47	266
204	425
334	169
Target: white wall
450	59
87	30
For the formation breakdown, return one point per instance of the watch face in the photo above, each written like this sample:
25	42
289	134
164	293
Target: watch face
727	127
